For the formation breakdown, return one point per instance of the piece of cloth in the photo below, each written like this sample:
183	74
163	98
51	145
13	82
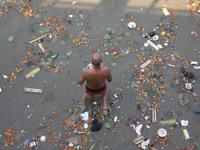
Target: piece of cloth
96	125
92	92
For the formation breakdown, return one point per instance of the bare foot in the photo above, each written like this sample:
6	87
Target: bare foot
106	110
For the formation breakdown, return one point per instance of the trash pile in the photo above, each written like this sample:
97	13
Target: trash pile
194	7
22	7
149	80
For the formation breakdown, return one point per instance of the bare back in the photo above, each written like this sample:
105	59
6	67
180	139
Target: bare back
96	77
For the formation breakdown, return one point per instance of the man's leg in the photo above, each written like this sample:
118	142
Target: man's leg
90	98
105	97
87	102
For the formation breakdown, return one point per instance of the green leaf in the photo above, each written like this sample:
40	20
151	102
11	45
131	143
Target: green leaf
107	125
180	96
62	43
91	148
113	64
49	97
37	15
11	38
109	29
196	103
82	32
43	30
69	53
133	85
107	37
89	27
44	64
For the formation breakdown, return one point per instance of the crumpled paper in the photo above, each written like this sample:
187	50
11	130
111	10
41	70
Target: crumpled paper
145	144
138	129
84	116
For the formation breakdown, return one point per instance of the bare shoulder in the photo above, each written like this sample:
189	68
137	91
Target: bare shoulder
105	68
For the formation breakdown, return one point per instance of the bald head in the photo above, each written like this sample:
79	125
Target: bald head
96	59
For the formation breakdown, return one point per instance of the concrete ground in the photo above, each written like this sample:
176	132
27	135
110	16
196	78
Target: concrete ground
98	16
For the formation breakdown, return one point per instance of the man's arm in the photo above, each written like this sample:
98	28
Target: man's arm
82	79
109	78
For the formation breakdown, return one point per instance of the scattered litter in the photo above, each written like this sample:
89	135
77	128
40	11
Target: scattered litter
42	47
154	119
145	64
162	132
42	138
186	134
145	144
171	121
184	101
132	25
153	45
139	140
184	123
32	90
84	116
34	71
166	12
138	129
29	112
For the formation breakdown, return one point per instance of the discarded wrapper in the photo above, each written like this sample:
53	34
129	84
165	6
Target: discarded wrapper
165	11
145	64
153	45
36	70
32	90
139	140
154	115
186	134
145	144
196	67
194	63
184	101
84	116
153	148
138	129
42	138
171	121
32	144
41	47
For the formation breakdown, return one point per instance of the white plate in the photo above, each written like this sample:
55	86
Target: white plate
159	46
146	44
188	86
155	37
162	132
131	25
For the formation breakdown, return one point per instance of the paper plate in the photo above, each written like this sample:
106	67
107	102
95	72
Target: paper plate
162	132
188	86
159	46
155	37
131	25
146	44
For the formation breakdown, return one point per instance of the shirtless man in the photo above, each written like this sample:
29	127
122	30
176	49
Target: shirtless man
95	76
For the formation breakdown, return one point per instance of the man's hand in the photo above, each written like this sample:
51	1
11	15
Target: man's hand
82	79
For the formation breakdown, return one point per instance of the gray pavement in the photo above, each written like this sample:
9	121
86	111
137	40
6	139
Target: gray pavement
100	14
